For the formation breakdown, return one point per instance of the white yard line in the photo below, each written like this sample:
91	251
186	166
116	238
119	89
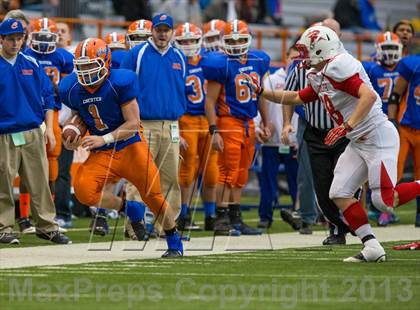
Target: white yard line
53	255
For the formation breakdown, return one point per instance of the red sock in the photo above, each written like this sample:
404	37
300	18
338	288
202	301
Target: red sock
407	192
356	216
24	202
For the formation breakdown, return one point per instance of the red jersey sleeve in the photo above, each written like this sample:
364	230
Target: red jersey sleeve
308	94
350	85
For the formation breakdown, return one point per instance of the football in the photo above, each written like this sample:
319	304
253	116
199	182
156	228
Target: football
74	127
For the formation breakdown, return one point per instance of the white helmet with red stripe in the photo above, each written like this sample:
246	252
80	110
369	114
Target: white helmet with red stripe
317	44
188	39
236	38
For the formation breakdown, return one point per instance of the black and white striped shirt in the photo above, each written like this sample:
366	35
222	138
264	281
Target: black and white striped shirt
315	113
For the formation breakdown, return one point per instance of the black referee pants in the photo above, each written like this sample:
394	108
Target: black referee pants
323	160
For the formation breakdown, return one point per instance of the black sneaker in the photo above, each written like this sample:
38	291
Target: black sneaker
264	224
99	225
235	217
209	223
55	237
25	226
172	254
8	238
292	218
139	230
334	240
306	229
222	225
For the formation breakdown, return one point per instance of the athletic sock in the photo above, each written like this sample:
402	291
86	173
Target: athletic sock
101	211
407	191
134	210
357	219
173	240
209	209
184	210
24	204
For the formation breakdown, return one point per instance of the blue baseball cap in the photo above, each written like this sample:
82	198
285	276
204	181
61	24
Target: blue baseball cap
162	19
11	26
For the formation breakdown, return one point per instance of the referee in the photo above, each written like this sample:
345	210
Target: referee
322	157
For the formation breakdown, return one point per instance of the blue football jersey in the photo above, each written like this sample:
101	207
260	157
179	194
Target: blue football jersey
101	110
382	79
236	98
409	108
196	87
55	64
116	58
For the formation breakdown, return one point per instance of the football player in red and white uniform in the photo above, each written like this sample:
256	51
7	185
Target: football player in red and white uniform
341	83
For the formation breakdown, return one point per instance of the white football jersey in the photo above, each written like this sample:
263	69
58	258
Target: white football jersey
332	86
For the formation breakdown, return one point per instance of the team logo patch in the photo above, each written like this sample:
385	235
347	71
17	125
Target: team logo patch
176	66
100	51
163	17
14	25
27	71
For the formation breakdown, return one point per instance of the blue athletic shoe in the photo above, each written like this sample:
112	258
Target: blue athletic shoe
175	247
373	215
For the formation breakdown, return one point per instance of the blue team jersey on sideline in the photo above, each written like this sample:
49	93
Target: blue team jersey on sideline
195	88
55	64
382	79
101	110
116	58
161	79
409	69
236	99
26	93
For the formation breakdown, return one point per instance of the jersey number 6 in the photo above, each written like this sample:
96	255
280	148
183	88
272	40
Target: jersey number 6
243	93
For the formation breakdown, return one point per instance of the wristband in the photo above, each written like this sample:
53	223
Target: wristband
108	138
212	129
394	98
347	127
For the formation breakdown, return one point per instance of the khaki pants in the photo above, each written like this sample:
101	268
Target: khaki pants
30	162
166	156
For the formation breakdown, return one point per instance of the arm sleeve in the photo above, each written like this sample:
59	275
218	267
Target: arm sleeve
47	90
213	69
68	64
63	93
129	89
350	85
308	94
127	62
404	69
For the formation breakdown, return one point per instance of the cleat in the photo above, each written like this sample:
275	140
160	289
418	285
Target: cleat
185	223
139	230
264	224
209	223
8	238
63	223
368	254
373	215
99	225
223	227
384	219
172	254
55	237
305	229
334	240
245	229
410	246
292	218
25	226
